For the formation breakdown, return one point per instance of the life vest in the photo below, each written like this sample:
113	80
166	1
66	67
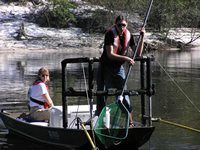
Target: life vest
116	40
37	101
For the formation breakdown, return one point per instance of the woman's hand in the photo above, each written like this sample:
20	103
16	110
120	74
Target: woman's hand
130	60
142	31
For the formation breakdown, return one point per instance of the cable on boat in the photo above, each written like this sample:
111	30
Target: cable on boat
89	138
72	123
177	86
86	90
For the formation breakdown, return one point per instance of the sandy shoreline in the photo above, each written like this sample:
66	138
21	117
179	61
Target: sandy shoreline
40	39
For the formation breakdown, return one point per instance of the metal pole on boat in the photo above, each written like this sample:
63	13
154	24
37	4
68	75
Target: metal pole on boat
134	55
91	85
150	111
143	87
64	101
149	88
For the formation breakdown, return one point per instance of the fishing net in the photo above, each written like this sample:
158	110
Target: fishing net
112	124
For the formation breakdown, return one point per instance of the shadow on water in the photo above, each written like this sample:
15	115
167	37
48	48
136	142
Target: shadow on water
15	142
18	71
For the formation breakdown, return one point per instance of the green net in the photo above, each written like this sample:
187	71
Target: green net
112	124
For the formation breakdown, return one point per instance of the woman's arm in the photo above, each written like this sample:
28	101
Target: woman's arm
48	99
111	55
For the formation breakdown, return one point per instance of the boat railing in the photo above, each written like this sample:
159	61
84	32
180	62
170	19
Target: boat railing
146	89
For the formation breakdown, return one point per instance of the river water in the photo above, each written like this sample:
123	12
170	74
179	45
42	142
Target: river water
18	70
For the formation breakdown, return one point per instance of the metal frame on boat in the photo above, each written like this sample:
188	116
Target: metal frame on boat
66	136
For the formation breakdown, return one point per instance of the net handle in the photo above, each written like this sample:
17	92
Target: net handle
140	37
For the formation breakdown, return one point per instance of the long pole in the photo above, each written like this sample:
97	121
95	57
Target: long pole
130	67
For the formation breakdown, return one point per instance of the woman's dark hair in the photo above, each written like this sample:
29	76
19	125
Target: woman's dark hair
121	18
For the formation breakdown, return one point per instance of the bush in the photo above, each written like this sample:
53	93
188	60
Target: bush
57	14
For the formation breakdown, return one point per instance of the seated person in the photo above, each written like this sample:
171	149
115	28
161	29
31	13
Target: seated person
40	100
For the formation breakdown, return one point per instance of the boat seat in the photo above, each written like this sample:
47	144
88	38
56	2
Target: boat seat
30	119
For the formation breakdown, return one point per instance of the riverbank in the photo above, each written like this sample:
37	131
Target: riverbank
37	38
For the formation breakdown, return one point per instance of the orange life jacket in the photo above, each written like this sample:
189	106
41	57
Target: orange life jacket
116	40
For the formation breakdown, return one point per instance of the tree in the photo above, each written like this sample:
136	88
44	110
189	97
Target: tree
169	14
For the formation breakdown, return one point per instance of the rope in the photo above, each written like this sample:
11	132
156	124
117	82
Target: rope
178	86
179	125
171	123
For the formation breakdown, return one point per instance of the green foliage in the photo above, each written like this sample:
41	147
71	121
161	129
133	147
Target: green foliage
57	14
164	14
173	14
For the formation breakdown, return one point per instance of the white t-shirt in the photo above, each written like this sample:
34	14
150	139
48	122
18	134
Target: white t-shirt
36	93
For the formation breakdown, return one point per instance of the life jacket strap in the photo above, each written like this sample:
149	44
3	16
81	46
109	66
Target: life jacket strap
36	101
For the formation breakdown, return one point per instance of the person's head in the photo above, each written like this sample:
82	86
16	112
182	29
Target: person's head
43	74
121	24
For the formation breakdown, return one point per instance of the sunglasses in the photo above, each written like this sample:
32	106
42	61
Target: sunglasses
120	25
44	75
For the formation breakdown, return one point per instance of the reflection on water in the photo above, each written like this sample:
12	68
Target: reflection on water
18	71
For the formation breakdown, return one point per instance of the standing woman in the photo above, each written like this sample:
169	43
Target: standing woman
110	70
40	100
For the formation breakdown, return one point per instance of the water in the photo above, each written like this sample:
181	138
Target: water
170	104
18	71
